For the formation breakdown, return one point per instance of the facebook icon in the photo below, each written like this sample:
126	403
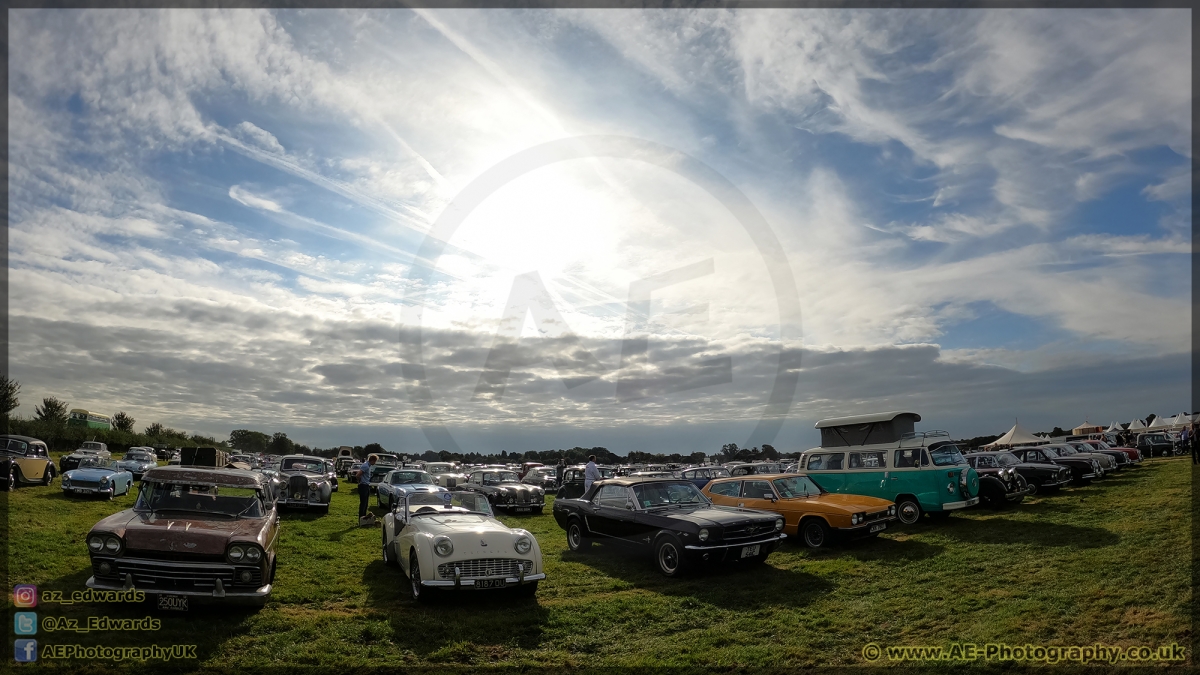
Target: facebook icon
26	651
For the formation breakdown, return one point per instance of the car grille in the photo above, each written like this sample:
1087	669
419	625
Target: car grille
165	576
485	567
751	531
85	484
298	487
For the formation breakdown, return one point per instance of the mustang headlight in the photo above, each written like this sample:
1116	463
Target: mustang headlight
703	535
523	544
112	544
443	546
236	553
779	524
95	543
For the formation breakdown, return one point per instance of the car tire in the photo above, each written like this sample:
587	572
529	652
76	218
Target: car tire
815	533
12	480
908	510
1034	489
48	477
110	494
388	558
668	556
414	579
576	541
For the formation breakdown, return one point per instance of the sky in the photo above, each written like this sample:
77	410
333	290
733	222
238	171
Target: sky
653	230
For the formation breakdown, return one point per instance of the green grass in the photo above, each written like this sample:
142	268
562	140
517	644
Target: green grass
1106	563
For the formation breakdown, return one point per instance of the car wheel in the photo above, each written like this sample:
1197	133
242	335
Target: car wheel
17	477
908	511
815	533
12	480
668	555
575	539
388	558
110	494
414	578
1034	488
48	477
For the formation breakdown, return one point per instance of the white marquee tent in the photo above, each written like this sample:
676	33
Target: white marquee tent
1137	425
1016	436
1160	422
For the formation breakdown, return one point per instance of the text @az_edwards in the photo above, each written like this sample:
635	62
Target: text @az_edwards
153	652
968	651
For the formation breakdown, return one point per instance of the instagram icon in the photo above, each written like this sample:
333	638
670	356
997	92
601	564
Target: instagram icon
25	595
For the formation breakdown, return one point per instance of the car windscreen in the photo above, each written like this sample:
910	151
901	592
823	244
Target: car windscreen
137	457
946	455
499	477
1007	459
309	465
1064	450
434	503
606	472
411	477
664	494
199	501
96	463
796	486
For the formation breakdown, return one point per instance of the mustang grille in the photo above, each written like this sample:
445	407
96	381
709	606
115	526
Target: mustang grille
751	531
485	567
150	574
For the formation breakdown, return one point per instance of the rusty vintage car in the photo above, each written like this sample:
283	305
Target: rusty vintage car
195	533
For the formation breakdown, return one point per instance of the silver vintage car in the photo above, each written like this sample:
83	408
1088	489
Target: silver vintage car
307	483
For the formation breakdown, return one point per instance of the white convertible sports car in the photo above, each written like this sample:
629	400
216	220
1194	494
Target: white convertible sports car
451	540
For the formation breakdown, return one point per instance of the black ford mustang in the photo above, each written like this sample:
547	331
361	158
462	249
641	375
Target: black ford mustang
505	491
672	518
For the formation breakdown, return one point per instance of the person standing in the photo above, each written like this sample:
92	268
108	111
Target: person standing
364	486
558	472
591	473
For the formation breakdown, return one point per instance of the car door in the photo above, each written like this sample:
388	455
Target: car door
605	513
32	468
757	494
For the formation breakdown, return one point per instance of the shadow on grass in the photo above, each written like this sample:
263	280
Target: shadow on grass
454	627
1006	531
731	585
886	550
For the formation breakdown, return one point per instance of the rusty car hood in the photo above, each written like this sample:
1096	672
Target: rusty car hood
144	531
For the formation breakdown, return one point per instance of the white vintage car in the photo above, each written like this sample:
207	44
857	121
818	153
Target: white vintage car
452	540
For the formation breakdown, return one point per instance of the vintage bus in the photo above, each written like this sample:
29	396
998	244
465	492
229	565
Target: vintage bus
92	420
882	456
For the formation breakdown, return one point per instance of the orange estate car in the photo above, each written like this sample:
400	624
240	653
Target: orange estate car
808	511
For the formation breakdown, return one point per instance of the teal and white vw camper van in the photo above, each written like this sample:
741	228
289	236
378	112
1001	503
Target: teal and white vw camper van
881	455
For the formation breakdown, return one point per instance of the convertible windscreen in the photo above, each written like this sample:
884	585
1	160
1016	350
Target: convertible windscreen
411	477
796	486
434	503
664	494
200	500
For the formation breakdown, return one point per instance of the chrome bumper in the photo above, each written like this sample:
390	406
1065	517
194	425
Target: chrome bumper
953	506
219	593
1019	494
87	490
778	537
469	582
864	526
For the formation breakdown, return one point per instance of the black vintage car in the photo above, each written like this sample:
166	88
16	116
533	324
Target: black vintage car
1120	459
505	492
671	518
572	483
1082	469
1040	477
998	484
1156	444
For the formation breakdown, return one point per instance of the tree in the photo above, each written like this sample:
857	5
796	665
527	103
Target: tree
249	441
372	448
730	450
770	453
8	394
1058	432
155	430
697	458
280	444
123	422
52	410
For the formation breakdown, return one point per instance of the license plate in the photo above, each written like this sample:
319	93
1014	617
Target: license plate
80	491
523	509
878	527
489	583
750	551
173	603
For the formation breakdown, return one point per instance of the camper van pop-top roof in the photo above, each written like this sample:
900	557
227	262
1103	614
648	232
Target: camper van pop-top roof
888	427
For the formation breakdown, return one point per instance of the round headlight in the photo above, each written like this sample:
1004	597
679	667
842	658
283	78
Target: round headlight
246	576
96	543
779	524
703	534
312	485
112	544
105	568
523	544
104	480
892	510
443	547
236	553
253	554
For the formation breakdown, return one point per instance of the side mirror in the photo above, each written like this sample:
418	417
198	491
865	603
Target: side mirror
773	498
629	504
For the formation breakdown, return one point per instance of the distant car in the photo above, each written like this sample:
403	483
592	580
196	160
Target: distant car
1155	444
452	541
307	483
1119	458
572	483
201	534
138	461
545	477
701	475
526	467
505	492
95	476
343	465
671	519
751	468
1082	469
1131	454
248	459
1040	477
998	485
809	512
386	459
446	474
86	449
398	482
25	460
1107	464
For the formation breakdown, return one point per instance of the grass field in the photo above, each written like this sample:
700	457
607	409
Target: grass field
1106	563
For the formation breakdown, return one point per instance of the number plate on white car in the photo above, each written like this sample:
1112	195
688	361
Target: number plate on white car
174	603
750	551
489	583
878	526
